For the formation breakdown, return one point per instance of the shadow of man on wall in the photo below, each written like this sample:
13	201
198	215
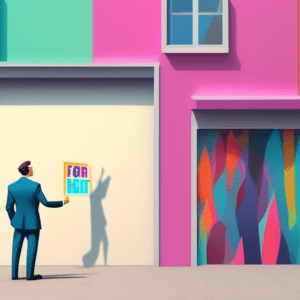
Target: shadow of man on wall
98	223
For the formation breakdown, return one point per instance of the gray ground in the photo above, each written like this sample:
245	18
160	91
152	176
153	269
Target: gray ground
138	282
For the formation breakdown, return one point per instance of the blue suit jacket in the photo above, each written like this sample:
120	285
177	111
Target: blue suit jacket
26	195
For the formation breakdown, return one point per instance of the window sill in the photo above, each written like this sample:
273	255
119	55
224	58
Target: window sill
195	49
245	102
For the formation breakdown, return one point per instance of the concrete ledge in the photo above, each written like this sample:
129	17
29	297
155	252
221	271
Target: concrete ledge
245	102
77	71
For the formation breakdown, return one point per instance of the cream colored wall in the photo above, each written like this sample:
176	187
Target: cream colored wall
116	138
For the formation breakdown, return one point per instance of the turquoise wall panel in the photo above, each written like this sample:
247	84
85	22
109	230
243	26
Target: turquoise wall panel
43	31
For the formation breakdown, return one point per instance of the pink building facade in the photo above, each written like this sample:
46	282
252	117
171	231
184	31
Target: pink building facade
262	61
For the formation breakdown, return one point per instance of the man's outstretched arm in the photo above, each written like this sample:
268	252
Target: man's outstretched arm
41	197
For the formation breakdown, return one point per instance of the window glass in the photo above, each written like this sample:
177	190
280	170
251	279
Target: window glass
190	25
210	30
180	30
210	6
176	6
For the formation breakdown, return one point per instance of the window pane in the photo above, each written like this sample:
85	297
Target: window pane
180	30
175	6
210	30
210	6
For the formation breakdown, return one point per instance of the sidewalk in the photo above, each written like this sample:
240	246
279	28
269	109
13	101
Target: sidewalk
141	282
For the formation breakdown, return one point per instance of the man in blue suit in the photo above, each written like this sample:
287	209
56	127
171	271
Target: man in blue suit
26	195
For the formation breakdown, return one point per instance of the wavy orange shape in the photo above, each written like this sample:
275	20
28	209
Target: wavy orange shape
205	189
289	174
205	192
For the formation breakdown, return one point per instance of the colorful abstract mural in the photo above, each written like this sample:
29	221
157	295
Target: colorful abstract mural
248	203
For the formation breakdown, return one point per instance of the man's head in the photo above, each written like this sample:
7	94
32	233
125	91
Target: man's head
25	169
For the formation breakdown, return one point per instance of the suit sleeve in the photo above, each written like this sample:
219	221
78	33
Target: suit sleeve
41	197
10	205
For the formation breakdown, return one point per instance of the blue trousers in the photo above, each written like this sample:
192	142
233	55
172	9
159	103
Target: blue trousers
33	240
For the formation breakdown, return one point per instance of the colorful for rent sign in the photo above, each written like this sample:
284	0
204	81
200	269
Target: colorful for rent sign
77	179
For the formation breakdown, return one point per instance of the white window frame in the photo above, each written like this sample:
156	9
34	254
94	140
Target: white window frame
195	47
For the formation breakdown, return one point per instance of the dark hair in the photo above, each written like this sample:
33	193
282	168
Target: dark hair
24	171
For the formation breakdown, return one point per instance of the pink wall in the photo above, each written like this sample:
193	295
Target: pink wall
263	59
